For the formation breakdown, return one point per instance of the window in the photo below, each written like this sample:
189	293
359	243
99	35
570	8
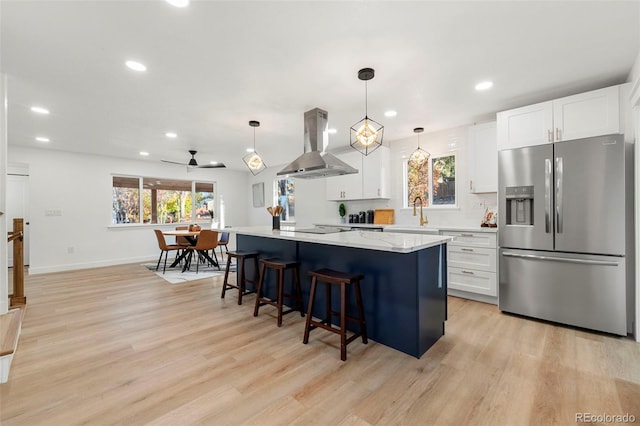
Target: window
126	200
433	181
283	195
162	201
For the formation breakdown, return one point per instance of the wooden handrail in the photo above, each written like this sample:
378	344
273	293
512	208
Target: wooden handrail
17	238
14	235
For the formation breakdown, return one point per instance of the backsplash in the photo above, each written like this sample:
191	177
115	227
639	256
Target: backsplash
470	207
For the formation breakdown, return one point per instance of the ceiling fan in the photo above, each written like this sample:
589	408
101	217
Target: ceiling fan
193	163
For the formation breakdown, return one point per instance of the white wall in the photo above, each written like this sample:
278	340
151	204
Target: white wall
4	276
80	186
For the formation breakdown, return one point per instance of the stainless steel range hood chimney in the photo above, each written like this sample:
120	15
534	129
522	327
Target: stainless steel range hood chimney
315	162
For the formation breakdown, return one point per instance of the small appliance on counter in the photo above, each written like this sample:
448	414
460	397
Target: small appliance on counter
362	217
370	216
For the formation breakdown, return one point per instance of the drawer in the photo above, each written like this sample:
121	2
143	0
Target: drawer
473	281
472	239
482	259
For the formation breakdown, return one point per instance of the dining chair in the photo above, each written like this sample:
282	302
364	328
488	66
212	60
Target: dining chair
207	240
224	240
164	249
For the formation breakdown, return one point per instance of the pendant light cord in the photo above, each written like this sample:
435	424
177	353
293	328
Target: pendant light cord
366	112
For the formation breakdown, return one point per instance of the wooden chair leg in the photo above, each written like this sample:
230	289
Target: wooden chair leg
226	279
240	279
298	290
363	324
343	321
307	326
280	296
259	290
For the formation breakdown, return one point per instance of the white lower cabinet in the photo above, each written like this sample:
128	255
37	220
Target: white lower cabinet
472	262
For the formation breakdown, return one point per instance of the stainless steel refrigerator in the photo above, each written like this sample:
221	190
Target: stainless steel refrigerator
566	233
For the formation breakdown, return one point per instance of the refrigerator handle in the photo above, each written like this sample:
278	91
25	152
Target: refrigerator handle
559	209
547	195
562	259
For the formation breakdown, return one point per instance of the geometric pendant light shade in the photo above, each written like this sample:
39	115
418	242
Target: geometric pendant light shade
366	134
253	160
419	156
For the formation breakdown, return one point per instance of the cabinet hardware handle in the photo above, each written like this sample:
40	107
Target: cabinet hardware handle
466	249
466	235
467	272
549	135
470	185
557	133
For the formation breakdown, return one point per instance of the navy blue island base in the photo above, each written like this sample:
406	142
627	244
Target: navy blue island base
404	294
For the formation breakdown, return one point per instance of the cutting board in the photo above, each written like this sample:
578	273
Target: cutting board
383	216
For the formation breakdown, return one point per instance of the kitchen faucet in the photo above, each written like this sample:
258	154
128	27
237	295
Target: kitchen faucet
423	220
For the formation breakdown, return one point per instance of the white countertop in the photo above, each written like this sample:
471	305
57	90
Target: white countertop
398	243
416	228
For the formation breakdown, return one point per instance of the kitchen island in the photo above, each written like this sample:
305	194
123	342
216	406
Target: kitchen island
404	291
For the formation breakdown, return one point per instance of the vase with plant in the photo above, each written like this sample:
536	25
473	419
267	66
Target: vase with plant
342	210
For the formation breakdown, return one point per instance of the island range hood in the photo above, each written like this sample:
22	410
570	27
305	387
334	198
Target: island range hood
315	162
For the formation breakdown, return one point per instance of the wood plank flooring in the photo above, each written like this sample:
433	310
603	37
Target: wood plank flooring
119	345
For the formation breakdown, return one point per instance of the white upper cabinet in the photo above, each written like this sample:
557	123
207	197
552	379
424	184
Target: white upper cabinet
346	187
376	174
372	180
526	126
583	115
593	113
483	158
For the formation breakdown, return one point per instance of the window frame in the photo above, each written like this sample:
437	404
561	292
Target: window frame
430	206
192	219
290	219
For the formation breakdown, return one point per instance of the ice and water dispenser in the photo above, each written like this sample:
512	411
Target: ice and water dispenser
519	205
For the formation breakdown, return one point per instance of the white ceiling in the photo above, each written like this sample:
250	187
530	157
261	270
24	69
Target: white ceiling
215	65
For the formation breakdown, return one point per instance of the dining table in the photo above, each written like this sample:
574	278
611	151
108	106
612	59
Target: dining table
192	237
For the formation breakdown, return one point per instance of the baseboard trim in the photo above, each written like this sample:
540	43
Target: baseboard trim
473	296
88	265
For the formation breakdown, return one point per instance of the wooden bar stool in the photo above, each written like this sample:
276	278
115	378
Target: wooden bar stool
241	280
342	279
280	266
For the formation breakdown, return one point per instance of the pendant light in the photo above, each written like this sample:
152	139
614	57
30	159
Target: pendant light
366	134
253	160
419	156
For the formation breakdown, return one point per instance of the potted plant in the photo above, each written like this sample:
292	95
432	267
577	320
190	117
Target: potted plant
342	210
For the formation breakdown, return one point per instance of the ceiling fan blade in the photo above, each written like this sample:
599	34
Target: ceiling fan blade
173	162
213	166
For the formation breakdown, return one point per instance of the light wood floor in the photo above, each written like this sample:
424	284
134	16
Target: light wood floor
119	345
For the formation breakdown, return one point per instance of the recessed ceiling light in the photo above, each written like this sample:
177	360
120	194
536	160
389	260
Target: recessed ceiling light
39	110
484	85
144	153
171	135
249	149
178	3
390	113
42	139
136	66
332	131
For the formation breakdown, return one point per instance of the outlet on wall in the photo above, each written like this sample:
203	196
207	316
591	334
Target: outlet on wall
71	250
